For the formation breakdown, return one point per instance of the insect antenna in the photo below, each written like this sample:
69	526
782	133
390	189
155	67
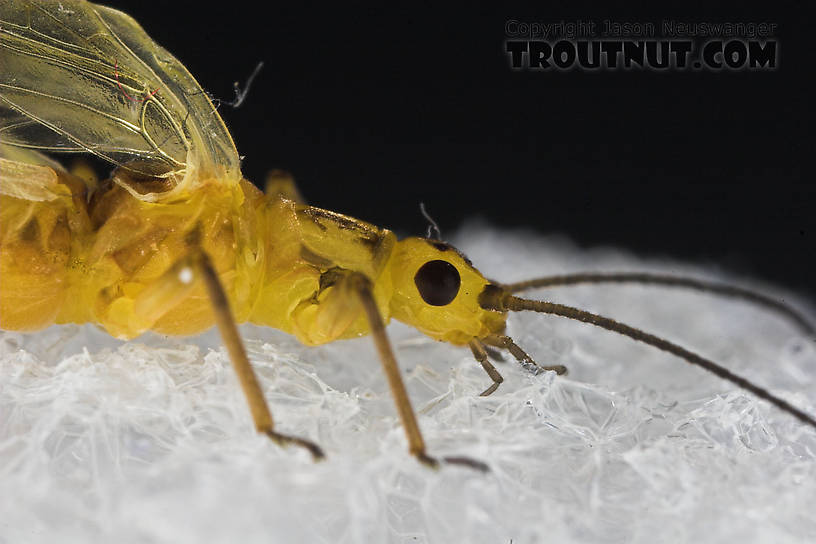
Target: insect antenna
764	301
495	298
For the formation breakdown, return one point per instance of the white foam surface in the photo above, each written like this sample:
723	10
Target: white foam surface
151	441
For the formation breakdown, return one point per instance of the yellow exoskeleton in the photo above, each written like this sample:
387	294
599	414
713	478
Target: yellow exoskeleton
176	239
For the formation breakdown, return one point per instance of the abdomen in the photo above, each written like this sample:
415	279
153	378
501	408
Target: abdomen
64	263
35	249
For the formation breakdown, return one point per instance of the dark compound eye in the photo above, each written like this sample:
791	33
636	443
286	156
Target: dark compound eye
438	282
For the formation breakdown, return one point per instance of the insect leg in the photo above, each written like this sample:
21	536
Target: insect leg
480	354
361	285
494	354
83	170
521	356
280	183
180	278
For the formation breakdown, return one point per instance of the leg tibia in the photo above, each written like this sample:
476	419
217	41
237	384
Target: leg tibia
175	284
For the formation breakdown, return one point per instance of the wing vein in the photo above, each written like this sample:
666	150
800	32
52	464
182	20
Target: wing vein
69	70
119	120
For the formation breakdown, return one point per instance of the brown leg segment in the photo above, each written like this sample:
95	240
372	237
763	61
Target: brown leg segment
521	356
180	278
480	354
361	285
246	375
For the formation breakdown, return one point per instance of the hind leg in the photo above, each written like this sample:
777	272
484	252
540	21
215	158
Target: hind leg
176	284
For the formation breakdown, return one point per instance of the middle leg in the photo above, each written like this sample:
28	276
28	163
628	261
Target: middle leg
361	285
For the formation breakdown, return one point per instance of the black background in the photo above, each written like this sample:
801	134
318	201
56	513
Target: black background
375	111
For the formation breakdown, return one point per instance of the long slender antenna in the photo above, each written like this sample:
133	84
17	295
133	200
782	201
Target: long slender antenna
495	299
731	291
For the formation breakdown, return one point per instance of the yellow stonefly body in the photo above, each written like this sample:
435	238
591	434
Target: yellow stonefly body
177	239
82	77
280	262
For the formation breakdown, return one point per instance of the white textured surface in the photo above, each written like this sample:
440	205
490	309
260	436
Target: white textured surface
150	440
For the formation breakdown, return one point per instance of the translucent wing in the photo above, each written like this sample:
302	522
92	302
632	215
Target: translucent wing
78	77
29	175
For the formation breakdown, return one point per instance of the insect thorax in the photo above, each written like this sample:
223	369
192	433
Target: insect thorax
68	261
